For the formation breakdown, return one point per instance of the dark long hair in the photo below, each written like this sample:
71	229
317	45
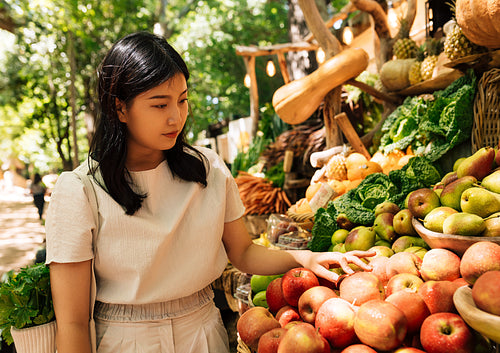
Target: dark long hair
135	64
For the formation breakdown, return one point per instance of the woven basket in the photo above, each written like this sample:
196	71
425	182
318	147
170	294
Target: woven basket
486	127
304	220
242	347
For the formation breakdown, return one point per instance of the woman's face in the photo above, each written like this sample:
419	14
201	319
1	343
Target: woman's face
156	117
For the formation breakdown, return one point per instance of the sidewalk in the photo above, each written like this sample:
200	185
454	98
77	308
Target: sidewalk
21	232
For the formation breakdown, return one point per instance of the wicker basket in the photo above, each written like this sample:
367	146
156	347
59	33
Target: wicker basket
486	127
242	347
304	220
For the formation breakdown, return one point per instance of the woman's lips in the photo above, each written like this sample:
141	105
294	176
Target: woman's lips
171	134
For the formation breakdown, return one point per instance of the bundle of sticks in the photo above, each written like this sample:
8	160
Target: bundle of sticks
259	196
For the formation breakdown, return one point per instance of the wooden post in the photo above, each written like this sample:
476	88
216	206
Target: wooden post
283	67
351	135
254	93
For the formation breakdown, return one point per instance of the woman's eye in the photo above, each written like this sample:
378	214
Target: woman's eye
160	106
184	100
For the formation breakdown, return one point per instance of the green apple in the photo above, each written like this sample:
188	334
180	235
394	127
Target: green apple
259	283
259	299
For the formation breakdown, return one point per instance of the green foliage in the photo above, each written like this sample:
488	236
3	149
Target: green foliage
25	299
432	127
245	159
359	203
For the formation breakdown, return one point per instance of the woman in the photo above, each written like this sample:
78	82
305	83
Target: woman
170	219
38	190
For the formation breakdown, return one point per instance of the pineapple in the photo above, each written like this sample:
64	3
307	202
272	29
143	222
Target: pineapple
336	167
456	44
433	48
414	75
404	47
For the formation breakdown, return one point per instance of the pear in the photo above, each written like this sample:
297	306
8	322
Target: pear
492	224
360	238
407	241
449	177
450	196
457	163
492	182
462	223
434	220
383	226
479	165
480	201
386	206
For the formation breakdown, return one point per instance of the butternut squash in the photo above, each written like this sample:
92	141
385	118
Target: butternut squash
480	21
296	101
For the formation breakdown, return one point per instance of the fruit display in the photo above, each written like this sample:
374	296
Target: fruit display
404	304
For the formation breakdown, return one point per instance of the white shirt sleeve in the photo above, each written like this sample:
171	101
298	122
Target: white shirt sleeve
69	222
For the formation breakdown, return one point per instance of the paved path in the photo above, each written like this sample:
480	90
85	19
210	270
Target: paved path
21	232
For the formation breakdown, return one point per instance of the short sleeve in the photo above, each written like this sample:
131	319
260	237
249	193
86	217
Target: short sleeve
69	222
234	206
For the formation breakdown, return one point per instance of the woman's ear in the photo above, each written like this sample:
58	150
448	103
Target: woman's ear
120	110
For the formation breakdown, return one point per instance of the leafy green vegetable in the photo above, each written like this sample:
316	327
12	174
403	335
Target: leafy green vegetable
25	299
359	203
432	126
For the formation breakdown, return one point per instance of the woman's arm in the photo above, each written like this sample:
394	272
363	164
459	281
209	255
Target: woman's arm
70	285
256	259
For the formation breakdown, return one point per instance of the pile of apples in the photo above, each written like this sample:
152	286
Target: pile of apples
404	304
466	201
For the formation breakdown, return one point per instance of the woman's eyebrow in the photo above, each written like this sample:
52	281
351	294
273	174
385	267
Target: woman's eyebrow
159	96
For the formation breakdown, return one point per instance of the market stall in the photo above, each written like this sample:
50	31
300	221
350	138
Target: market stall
423	194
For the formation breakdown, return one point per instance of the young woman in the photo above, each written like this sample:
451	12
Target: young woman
170	218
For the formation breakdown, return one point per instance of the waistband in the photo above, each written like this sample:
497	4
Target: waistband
153	311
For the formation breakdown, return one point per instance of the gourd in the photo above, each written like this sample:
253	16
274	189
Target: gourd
394	74
480	21
296	101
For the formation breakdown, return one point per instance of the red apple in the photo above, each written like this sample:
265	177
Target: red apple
335	322
269	341
287	314
438	295
274	296
485	292
440	265
422	201
403	281
380	324
479	258
408	350
461	282
358	348
303	338
295	282
253	323
445	333
311	300
379	269
404	262
413	306
361	287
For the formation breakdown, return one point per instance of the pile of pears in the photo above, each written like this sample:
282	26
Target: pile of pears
469	197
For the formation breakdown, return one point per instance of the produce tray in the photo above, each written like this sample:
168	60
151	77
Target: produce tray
456	243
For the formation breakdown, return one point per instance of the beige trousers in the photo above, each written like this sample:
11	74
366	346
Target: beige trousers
199	331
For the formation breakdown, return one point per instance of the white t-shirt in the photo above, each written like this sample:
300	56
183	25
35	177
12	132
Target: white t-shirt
171	248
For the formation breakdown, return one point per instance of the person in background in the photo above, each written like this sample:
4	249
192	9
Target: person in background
170	219
38	190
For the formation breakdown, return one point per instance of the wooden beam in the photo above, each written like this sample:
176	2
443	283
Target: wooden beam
374	92
283	68
274	49
351	135
254	92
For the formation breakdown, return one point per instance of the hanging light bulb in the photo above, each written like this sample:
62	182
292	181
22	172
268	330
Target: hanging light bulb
320	56
347	35
392	16
270	69
246	81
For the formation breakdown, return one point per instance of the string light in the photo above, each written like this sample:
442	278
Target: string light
320	56
247	81
347	35
270	69
392	16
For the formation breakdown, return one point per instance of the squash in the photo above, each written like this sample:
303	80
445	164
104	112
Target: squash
296	101
394	74
480	21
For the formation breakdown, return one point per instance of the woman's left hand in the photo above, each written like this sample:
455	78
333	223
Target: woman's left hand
321	262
